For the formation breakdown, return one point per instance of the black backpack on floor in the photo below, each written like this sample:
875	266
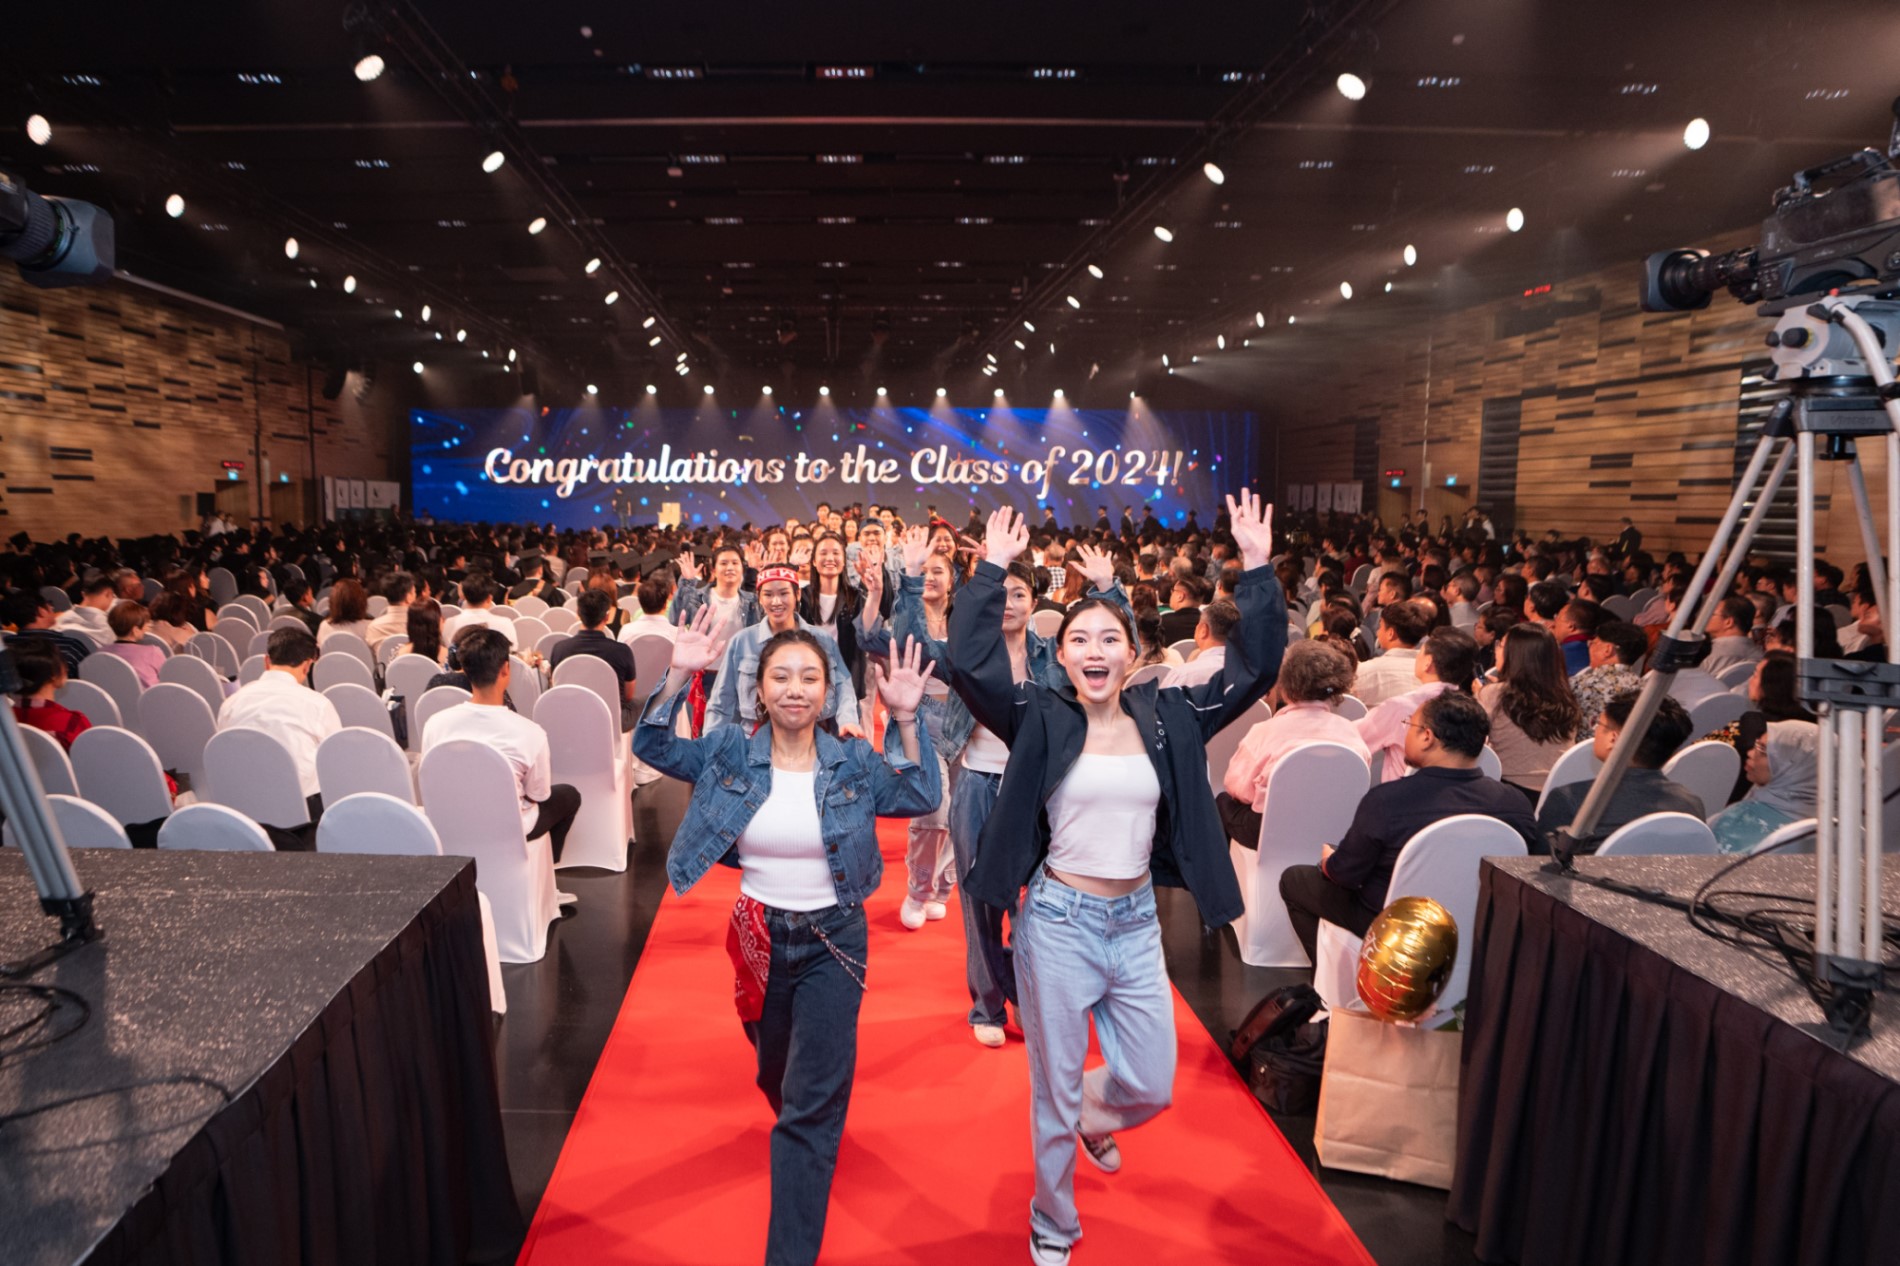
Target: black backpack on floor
1281	1052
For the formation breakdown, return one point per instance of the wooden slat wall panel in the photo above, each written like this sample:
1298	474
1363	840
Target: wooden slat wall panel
1623	412
156	393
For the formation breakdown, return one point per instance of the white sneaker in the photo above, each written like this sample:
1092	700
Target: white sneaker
566	898
989	1034
912	914
1102	1151
1047	1252
934	910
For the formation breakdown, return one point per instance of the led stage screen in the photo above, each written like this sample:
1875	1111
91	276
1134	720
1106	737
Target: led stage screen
585	467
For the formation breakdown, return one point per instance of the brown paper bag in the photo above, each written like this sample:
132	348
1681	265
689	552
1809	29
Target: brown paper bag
1388	1100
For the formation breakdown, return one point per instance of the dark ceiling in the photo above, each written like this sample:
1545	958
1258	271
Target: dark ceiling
845	192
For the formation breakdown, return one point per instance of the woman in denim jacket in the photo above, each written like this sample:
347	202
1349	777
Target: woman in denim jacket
795	809
974	775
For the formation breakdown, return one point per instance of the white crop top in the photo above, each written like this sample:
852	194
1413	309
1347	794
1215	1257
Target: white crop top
1102	817
782	850
985	753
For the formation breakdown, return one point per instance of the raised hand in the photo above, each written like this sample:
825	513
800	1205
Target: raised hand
698	646
902	688
801	551
1005	537
754	554
1097	564
915	542
871	562
689	566
1252	525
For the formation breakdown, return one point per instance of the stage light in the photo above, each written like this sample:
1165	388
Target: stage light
438	336
1194	360
649	323
1073	301
652	390
425	312
654	341
1696	135
882	392
765	391
1411	255
398	314
941	393
175	206
537	224
593	266
708	389
1164	360
369	67
1020	345
613	297
1260	319
1095	272
290	248
1162	233
999	393
1052	349
461	336
991	356
493	162
417	367
1220	341
511	356
824	391
349	285
38	130
592	390
1388	287
313	283
1514	219
681	356
1345	290
1058	393
1292	320
1213	172
1131	395
1030	326
1351	86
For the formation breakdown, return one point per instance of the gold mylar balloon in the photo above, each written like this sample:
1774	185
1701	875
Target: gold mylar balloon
1406	958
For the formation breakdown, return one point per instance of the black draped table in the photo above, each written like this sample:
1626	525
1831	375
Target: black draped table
1635	1091
271	1059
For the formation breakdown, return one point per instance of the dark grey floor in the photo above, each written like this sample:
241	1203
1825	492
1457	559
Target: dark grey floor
561	1009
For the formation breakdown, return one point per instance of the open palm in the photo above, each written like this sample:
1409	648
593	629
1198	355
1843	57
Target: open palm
1252	526
915	542
1097	565
696	648
1005	537
902	687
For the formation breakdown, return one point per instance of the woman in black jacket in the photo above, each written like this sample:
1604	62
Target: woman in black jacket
1105	795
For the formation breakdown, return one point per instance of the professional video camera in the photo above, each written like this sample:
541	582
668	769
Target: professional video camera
55	241
1837	226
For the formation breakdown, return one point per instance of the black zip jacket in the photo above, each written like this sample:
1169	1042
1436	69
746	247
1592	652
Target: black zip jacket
1045	730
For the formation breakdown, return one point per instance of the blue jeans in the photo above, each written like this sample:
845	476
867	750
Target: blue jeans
986	960
1079	956
807	1040
928	862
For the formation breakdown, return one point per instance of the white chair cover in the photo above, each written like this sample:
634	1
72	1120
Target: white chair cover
223	585
1490	763
1795	840
1708	769
1717	711
1312	794
357	759
524	685
1620	606
1349	707
651	656
408	675
338	668
595	674
178	724
1152	672
529	631
90	701
236	634
1295	632
117	678
560	619
630	604
1185	648
505	612
584	744
449	612
260	645
1441	862
83	824
118	771
390	647
1221	748
1737	674
250	771
378	604
1579	763
213	828
216	651
1660	833
468	791
251	669
56	598
194	674
237	613
340	644
546	643
432	702
357	705
50	761
256	606
1045	623
530	605
153	639
376	823
286	622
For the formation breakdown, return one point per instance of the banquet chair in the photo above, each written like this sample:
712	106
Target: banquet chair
50	761
377	605
336	669
1295	632
408	675
585	749
1046	623
349	644
1660	834
223	585
560	619
90	701
260	645
1185	648
1348	706
81	823
529	631
652	654
505	612
524	685
432	702
1709	769
390	647
236	634
194	674
1738	674
256	606
392	826
1621	606
545	644
1714	712
216	651
118	771
530	606
357	759
236	613
468	792
1319	786
1151	672
178	724
1490	764
286	622
1793	840
56	598
1578	763
120	680
595	674
252	772
153	639
251	669
1221	748
213	828
357	705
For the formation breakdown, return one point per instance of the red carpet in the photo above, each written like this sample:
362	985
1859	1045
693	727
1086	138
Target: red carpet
667	1158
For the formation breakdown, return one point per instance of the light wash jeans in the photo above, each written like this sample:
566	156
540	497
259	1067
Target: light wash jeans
1079	956
987	964
929	864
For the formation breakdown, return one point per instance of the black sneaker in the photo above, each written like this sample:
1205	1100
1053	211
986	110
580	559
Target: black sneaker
1047	1252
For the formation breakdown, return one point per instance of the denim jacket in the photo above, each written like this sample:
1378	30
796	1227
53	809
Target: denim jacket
908	620
692	596
731	772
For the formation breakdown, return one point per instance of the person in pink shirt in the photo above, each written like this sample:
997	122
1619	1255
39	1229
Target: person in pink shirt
1312	676
1447	660
130	622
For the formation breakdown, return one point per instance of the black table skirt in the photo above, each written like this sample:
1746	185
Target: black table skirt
1617	1107
376	1139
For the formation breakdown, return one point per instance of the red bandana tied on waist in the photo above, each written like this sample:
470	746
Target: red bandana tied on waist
749	945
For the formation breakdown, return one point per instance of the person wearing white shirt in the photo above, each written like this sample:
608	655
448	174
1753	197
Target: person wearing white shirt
478	596
281	703
1401	626
653	595
547	807
1210	641
88	618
